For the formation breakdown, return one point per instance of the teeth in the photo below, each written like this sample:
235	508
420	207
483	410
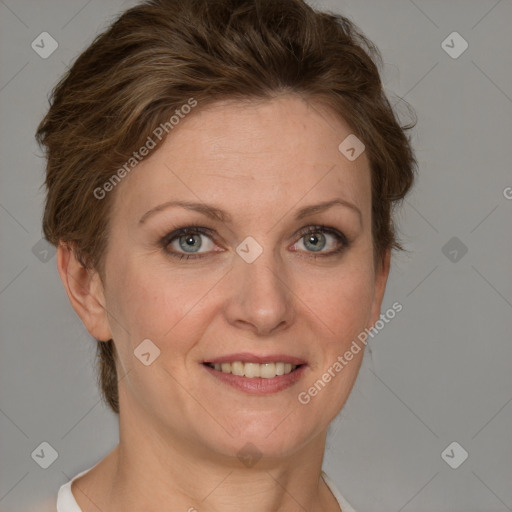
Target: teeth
267	370
237	368
253	370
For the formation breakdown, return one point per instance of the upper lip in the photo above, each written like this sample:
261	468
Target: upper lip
247	357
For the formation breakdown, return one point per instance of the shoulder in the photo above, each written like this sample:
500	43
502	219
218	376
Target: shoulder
65	499
343	503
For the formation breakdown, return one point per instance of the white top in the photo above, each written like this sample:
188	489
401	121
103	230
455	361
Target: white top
66	501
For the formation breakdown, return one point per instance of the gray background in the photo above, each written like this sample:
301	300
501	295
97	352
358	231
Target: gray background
439	372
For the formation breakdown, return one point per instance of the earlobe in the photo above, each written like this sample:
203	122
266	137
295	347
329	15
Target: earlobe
85	292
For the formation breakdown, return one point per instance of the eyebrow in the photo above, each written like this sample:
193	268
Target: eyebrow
220	215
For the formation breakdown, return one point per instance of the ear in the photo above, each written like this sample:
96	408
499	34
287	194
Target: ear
85	292
381	278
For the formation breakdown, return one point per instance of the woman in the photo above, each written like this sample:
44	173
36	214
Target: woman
220	182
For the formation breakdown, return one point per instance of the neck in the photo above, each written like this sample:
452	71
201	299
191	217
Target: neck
146	471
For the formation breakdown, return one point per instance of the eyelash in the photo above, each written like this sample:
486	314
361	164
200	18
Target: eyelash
194	229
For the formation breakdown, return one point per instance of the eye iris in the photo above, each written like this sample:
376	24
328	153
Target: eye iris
314	239
191	241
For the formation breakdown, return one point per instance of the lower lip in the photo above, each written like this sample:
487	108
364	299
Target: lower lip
257	385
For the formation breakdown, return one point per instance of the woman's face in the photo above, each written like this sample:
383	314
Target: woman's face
251	285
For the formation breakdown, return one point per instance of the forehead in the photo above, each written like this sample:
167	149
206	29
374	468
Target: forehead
251	155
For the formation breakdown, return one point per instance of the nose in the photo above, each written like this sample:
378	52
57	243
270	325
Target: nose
260	296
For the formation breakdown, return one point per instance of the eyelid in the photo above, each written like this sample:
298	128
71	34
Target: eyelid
325	229
200	229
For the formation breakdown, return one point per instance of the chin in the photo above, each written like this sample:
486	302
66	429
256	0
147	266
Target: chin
277	436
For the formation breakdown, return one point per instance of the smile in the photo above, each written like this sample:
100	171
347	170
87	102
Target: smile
256	374
254	370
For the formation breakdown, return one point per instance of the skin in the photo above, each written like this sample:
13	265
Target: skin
181	428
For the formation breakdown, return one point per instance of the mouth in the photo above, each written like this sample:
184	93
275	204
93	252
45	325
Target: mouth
255	370
256	375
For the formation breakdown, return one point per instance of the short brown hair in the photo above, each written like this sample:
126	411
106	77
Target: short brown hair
161	53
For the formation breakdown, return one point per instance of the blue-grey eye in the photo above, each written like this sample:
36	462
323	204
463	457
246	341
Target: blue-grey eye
191	242
321	240
314	241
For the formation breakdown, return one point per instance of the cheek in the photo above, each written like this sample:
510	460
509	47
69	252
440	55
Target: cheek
157	303
139	303
340	302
